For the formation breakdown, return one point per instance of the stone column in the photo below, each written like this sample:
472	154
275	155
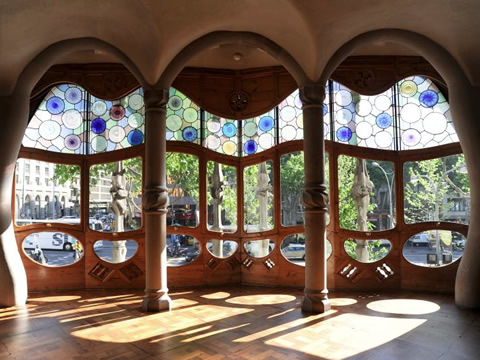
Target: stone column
155	202
315	199
13	279
119	195
264	193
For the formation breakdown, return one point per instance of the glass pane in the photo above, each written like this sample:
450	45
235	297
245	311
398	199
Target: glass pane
363	120
258	197
434	248
53	248
366	194
58	124
183	189
258	133
259	248
46	192
221	135
425	118
183	118
367	251
437	190
116	251
117	124
116	196
222	197
222	248
293	248
182	249
291	188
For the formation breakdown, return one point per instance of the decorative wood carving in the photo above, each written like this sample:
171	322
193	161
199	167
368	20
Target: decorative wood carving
241	94
131	271
101	272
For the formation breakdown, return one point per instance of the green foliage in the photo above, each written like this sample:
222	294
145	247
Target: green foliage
430	185
182	175
291	182
375	250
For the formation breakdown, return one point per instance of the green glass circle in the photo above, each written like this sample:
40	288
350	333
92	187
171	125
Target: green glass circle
174	122
250	129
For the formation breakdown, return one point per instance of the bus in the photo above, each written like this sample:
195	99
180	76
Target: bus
49	241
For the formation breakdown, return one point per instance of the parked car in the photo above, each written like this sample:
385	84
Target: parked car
294	251
420	240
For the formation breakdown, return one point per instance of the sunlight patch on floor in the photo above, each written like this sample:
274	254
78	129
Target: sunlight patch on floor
404	306
261	299
216	295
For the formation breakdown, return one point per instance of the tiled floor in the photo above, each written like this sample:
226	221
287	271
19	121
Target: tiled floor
238	323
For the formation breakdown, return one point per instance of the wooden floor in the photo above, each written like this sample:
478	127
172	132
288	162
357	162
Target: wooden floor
238	323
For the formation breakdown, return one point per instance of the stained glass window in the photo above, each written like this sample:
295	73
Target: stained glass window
70	120
116	124
363	120
425	118
58	124
183	118
221	135
258	133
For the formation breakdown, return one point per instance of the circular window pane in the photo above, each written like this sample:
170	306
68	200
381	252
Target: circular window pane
222	248
259	248
182	249
367	251
53	248
116	251
293	248
434	248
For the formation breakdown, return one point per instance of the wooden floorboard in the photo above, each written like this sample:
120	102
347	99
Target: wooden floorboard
238	323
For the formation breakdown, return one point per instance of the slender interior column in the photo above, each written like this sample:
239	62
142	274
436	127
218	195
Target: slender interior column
155	202
13	279
466	113
315	199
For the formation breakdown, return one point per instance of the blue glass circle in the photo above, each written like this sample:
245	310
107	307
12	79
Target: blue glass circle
73	95
384	120
265	123
135	137
250	147
55	105
229	130
344	133
98	125
428	98
325	109
189	133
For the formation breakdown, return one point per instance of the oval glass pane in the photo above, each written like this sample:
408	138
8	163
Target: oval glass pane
434	248
259	248
182	249
53	248
222	248
367	251
116	251
293	249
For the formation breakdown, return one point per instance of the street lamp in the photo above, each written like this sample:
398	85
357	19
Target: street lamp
392	219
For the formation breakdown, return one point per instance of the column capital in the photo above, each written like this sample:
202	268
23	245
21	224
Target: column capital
312	94
315	198
155	199
155	98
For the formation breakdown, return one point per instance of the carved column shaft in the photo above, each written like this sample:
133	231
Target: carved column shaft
155	202
315	199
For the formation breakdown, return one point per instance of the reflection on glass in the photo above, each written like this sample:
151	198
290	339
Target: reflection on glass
437	190
182	249
53	248
116	251
183	189
116	196
222	197
366	194
367	251
293	248
433	248
222	248
259	248
46	192
258	197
